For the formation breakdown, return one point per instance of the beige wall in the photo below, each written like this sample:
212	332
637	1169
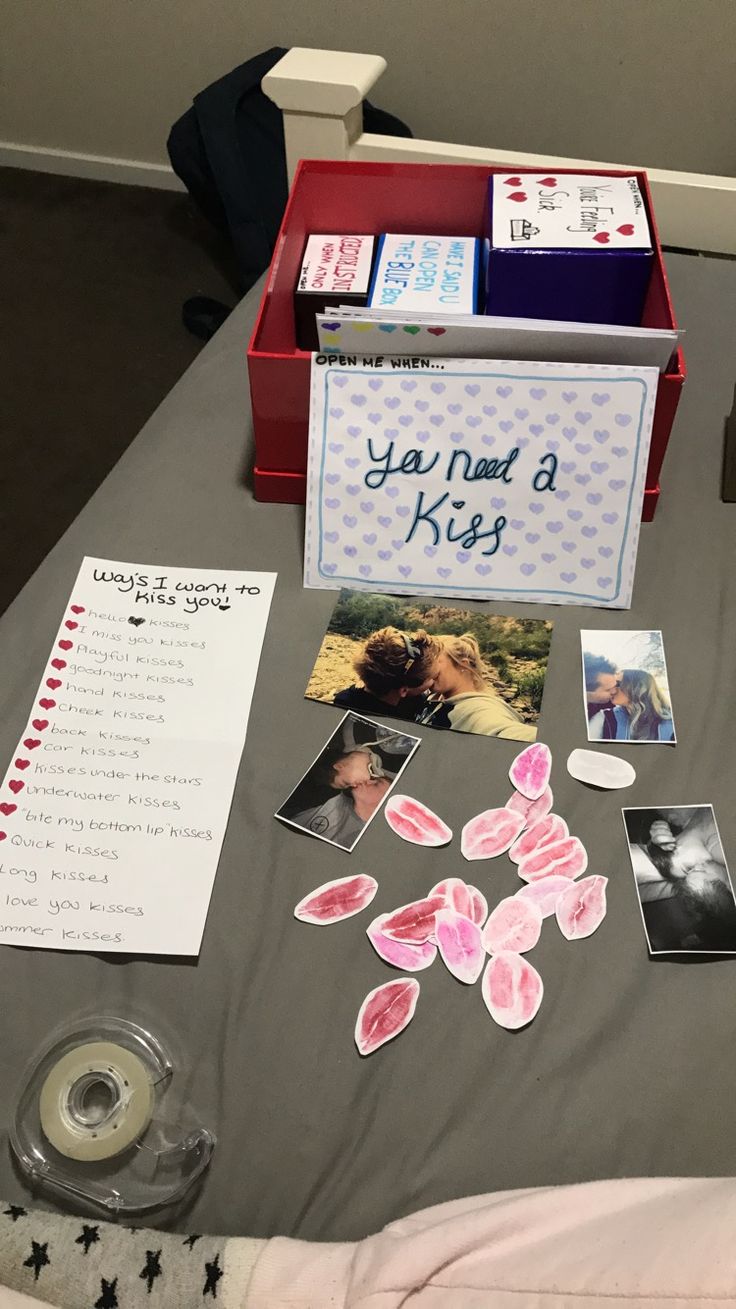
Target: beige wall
637	81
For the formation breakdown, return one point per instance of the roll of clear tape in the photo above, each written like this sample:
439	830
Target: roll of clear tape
96	1101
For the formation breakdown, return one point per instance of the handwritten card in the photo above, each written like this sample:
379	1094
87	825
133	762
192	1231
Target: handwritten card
416	273
115	803
477	479
573	211
477	336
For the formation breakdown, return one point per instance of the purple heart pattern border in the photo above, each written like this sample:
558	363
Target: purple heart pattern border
478	479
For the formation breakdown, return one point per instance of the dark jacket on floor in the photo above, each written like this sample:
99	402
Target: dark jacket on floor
229	151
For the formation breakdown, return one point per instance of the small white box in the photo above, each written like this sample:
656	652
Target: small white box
426	274
336	265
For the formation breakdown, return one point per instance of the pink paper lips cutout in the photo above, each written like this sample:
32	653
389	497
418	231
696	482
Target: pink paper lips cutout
532	810
531	769
567	858
414	822
543	832
514	925
580	909
400	954
459	896
460	945
480	905
385	1012
336	900
545	892
512	990
414	922
490	833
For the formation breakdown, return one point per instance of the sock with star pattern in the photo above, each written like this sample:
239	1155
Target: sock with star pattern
74	1263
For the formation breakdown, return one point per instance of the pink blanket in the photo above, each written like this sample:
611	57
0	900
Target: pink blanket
653	1244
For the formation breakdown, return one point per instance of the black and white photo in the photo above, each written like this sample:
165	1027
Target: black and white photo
345	786
682	880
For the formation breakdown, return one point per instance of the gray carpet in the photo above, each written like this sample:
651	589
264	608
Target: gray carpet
94	277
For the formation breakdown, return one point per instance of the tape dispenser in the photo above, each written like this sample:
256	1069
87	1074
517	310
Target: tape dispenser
100	1118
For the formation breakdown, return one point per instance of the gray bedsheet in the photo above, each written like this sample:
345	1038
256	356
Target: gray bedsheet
628	1069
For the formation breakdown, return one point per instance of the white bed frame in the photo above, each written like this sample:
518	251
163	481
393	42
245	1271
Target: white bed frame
321	91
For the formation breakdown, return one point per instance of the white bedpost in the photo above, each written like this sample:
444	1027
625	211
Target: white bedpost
320	93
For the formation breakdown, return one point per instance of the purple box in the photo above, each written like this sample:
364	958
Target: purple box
575	247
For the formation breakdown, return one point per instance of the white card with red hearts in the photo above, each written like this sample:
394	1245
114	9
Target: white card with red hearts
116	799
568	211
477	479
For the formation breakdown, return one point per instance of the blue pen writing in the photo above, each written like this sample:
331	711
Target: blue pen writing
544	478
411	462
468	536
482	469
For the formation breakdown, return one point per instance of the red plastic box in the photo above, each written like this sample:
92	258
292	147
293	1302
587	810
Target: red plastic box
436	199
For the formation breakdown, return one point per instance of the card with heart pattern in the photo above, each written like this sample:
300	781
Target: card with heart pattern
571	211
477	479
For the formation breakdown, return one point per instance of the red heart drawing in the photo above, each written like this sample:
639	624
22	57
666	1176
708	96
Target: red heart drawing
15	785
602	237
626	229
7	809
66	645
58	663
46	704
53	683
512	181
77	609
22	763
3	836
548	181
30	743
70	624
436	331
40	724
519	196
